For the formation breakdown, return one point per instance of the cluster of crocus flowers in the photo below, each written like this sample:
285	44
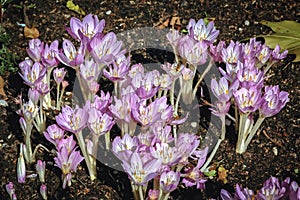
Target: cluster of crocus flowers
67	156
272	189
242	82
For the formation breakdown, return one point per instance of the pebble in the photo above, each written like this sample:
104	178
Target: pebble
194	124
247	23
108	12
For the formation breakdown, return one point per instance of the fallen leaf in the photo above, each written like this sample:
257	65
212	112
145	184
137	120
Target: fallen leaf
31	32
286	34
222	174
71	6
2	88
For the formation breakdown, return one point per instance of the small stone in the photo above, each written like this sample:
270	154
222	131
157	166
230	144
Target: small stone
240	29
194	124
247	23
108	12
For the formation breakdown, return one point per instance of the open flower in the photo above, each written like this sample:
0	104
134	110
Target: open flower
73	120
248	100
49	54
54	134
273	101
123	147
202	32
141	169
99	123
59	75
33	74
35	49
69	56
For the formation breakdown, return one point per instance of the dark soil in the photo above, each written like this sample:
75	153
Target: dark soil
250	169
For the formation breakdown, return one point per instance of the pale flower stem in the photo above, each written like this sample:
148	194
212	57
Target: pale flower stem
82	146
116	89
212	154
141	192
135	191
177	101
166	196
107	140
172	93
253	131
202	77
60	98
57	97
241	140
236	113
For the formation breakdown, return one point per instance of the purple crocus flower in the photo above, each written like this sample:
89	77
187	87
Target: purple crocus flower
35	49
49	55
200	31
169	181
250	76
248	100
193	176
141	169
294	191
73	120
216	51
59	75
221	108
174	70
263	55
162	134
243	193
68	163
87	29
33	74
118	70
68	142
173	37
231	71
273	101
251	49
42	88
102	102
271	190
33	95
276	55
54	134
222	88
123	147
69	56
168	155
153	195
186	145
104	49
28	111
99	123
232	54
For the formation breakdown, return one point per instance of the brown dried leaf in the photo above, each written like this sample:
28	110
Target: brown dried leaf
222	174
2	88
31	32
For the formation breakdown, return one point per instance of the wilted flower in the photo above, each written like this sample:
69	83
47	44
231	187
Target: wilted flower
201	31
169	181
273	101
73	120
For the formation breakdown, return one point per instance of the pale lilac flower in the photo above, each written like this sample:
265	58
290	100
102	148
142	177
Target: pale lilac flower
153	194
54	134
201	31
168	155
27	63
59	75
223	89
68	163
69	56
33	74
194	176
73	120
216	51
221	107
231	71
42	88
276	55
135	69
186	145
102	102
87	29
225	195
243	193
174	70
232	54
173	37
33	95
21	168
195	53
89	70
118	70
28	111
264	54
294	191
43	191
99	123
248	100
273	101
271	190
124	147
250	76
40	169
250	49
35	49
169	181
141	169
49	55
162	134
68	142
105	49
11	191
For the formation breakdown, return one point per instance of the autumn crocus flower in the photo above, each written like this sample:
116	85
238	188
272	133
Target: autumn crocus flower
166	153
21	168
49	55
11	191
118	70
73	120
232	54
35	49
40	168
54	134
248	100
141	169
99	123
69	56
124	147
169	181
33	74
250	75
59	75
201	31
87	28
273	101
276	55
271	190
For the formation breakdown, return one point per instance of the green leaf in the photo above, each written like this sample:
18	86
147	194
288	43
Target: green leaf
287	35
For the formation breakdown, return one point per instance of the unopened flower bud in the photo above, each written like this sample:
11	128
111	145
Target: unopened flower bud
43	191
11	190
21	169
40	168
